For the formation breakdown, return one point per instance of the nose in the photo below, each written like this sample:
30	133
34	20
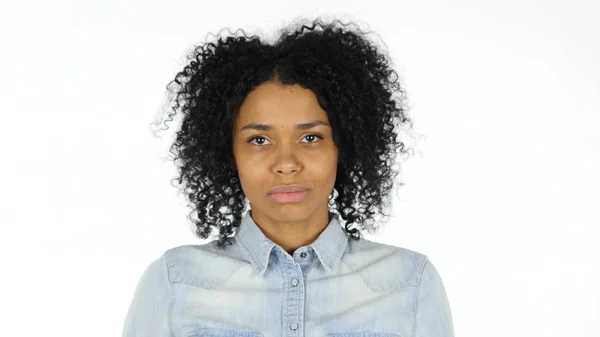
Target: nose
287	169
287	163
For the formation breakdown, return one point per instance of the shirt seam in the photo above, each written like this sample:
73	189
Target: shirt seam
283	293
417	297
169	305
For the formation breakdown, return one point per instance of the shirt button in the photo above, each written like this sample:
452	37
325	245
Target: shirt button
303	254
295	282
294	326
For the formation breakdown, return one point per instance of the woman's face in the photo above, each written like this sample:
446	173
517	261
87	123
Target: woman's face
270	150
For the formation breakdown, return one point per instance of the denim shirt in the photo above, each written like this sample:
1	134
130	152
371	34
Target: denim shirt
333	287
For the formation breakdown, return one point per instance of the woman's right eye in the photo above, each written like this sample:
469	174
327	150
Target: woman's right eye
253	138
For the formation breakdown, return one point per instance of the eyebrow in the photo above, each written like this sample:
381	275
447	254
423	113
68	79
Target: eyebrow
267	127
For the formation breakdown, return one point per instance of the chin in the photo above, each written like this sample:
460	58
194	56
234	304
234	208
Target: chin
291	210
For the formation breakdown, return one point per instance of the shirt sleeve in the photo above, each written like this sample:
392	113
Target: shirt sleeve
434	317
148	314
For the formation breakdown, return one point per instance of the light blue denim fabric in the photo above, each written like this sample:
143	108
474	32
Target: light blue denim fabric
333	287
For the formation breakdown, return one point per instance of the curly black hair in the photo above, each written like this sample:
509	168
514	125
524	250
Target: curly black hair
354	84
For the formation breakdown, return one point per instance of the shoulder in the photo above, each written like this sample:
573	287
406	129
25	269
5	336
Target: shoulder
385	267
193	264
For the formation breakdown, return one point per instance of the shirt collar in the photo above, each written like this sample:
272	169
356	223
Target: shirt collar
329	246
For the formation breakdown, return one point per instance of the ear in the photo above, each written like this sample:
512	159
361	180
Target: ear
232	164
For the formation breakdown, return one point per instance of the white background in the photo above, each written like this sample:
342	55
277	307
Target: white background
501	194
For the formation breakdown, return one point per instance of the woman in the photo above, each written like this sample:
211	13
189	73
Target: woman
303	130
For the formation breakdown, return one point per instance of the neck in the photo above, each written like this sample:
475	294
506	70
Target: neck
291	234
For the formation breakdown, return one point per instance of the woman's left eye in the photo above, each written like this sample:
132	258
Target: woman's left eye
313	135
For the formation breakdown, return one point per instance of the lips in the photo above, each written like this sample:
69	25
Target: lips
289	197
288	189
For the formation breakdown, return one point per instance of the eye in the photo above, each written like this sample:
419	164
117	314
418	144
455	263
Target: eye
313	135
257	137
306	137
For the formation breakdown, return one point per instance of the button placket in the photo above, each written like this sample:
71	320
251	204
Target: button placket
293	266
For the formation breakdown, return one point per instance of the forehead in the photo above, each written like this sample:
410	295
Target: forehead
273	103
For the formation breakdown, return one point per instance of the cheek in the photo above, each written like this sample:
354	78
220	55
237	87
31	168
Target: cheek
250	179
324	170
333	169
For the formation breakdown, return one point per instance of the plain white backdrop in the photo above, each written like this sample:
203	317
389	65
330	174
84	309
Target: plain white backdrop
501	194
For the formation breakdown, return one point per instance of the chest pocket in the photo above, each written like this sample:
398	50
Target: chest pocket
361	334
223	332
